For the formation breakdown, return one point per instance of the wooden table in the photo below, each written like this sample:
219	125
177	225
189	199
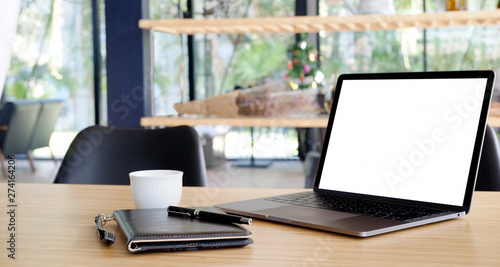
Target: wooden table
55	227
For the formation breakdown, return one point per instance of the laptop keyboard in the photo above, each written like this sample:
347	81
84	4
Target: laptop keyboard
358	206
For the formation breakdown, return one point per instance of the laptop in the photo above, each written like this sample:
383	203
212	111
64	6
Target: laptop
401	150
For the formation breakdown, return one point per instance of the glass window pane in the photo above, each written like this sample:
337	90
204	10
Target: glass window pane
228	61
170	59
463	48
52	58
369	51
223	62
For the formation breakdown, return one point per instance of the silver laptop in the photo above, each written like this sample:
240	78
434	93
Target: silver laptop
401	150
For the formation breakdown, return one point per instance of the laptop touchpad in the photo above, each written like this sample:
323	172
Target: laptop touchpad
305	214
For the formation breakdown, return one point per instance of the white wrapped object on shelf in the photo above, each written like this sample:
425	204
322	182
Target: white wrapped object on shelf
269	100
281	104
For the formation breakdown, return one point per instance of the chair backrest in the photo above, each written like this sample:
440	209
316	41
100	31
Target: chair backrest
45	123
106	155
488	177
20	118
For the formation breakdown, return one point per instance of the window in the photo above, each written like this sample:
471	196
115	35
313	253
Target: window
52	58
224	62
170	59
228	61
448	48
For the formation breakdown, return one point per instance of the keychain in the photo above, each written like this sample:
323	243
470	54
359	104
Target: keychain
107	237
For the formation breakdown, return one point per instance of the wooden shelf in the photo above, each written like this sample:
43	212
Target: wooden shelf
329	24
494	114
161	121
319	122
308	24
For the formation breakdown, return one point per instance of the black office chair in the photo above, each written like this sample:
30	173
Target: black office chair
488	177
106	155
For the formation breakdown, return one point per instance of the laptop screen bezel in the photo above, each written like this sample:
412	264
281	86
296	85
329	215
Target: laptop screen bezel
474	166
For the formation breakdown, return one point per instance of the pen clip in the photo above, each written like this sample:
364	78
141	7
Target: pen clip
183	214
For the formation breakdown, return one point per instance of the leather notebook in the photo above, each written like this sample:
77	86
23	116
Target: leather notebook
154	230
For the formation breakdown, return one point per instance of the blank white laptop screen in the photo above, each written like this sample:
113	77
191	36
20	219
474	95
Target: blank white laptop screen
405	138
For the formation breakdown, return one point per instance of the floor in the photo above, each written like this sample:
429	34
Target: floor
281	174
45	171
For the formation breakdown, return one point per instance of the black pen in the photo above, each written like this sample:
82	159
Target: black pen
208	216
